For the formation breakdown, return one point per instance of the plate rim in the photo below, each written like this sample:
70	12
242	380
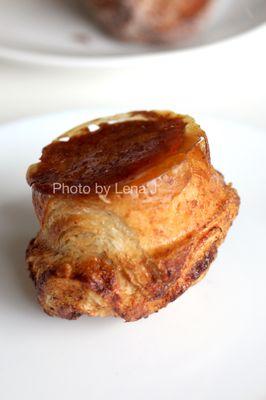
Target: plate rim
53	60
108	111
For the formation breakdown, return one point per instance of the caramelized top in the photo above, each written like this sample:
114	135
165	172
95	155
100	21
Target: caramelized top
131	151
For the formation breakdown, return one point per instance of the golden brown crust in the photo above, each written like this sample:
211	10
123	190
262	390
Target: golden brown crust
129	255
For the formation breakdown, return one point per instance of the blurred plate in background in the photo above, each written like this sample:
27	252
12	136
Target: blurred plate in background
58	32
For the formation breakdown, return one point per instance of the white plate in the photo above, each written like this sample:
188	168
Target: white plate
209	344
58	32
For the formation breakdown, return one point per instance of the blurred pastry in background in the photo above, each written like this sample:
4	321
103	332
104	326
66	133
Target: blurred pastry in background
152	21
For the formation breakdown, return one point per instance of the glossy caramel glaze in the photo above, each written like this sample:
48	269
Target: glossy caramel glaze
126	151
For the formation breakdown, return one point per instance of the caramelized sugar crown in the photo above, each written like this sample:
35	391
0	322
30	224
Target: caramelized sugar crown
110	151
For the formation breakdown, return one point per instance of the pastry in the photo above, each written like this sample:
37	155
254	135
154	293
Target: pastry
146	20
131	214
